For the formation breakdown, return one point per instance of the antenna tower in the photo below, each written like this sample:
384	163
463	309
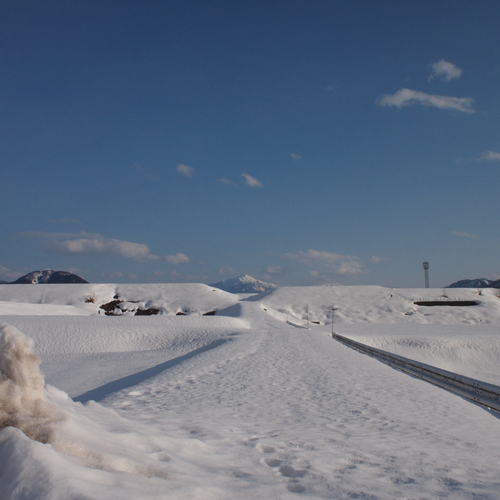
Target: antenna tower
426	273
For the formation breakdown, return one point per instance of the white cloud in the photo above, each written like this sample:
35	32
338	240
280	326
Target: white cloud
446	70
469	236
350	268
375	260
103	246
185	170
251	181
407	97
491	155
295	156
83	243
313	255
178	258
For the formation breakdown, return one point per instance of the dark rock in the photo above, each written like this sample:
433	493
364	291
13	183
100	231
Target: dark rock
147	312
110	306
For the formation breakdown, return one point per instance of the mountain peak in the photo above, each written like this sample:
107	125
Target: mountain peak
48	276
244	284
475	283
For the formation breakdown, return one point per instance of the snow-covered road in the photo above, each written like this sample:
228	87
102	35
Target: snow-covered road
294	410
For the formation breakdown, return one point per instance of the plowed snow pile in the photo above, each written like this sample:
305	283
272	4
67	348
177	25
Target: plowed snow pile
248	403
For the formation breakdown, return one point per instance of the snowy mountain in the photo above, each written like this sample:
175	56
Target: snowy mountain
244	284
48	277
476	283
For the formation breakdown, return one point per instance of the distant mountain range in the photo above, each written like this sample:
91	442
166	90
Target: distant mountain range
47	277
476	283
244	284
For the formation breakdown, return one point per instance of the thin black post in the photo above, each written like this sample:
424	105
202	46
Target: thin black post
333	309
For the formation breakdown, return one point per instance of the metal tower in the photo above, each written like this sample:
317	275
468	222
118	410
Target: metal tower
426	273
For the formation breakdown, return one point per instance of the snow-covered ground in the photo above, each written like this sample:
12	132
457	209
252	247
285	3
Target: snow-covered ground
248	403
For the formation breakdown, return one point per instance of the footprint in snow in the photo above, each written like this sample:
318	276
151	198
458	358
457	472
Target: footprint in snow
161	457
265	448
295	488
289	471
273	462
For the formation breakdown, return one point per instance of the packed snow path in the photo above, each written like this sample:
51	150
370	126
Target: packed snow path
283	409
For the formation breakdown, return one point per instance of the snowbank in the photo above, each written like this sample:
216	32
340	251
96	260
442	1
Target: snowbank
373	304
190	298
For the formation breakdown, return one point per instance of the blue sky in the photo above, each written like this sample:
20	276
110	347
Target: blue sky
301	142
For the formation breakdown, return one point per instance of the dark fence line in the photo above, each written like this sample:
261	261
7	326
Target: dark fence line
482	393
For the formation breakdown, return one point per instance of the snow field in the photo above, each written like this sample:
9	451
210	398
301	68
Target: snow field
374	304
243	405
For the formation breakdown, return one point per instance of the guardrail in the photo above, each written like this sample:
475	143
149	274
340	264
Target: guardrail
479	392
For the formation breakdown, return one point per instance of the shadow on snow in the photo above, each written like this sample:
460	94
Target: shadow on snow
99	393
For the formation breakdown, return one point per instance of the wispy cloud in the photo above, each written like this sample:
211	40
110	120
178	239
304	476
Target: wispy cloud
344	265
227	271
145	172
295	156
313	255
178	258
407	97
469	236
185	170
377	260
118	275
445	70
251	181
226	181
83	243
64	221
491	155
274	270
350	268
7	274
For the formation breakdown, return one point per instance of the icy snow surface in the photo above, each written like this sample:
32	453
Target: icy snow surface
246	404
